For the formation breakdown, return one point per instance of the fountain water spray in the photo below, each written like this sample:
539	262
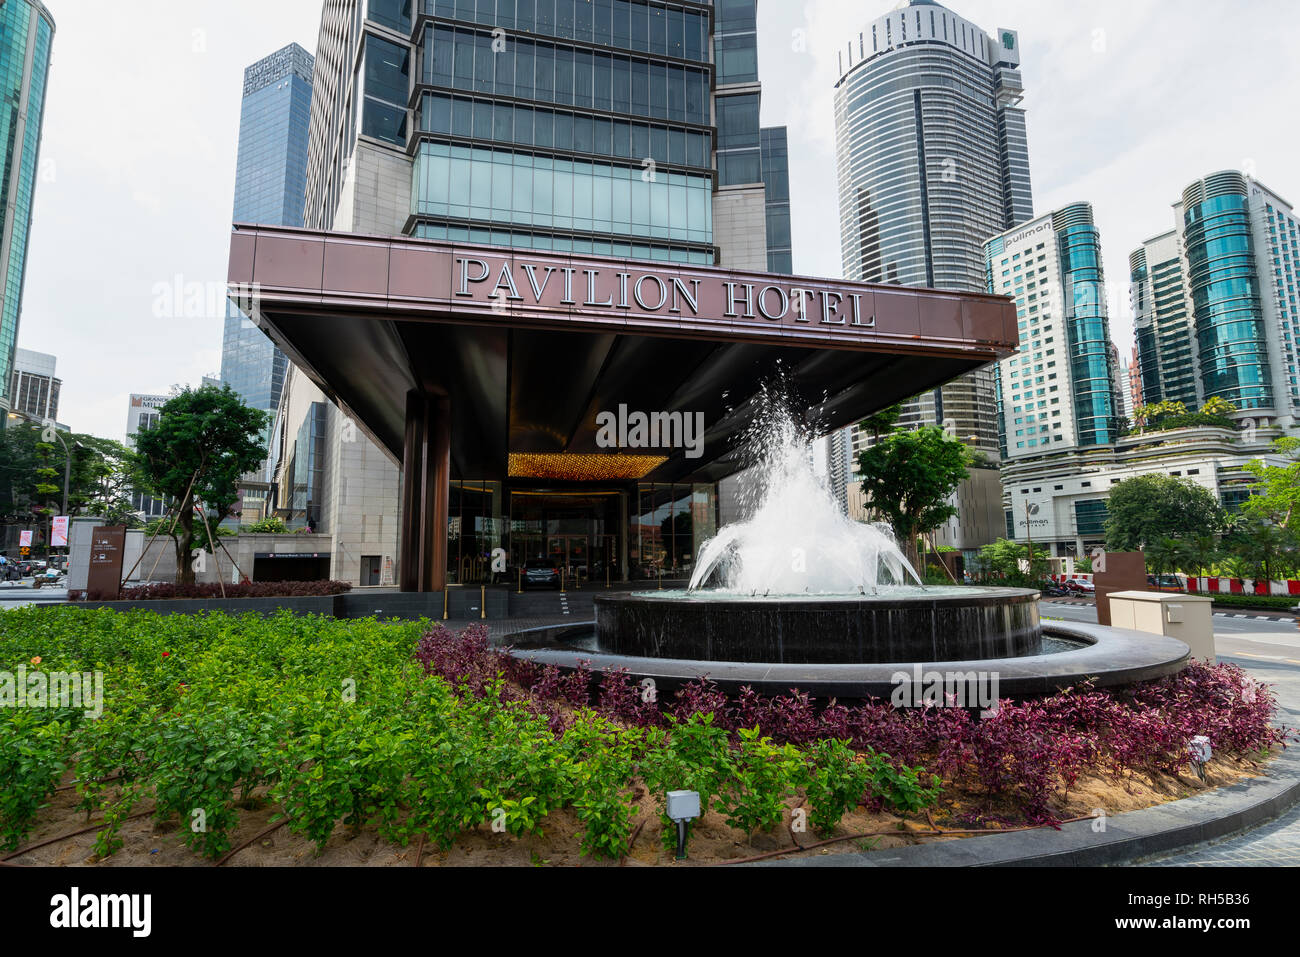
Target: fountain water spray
796	539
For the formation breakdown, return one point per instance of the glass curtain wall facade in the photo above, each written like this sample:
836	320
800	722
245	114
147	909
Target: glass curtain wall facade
1215	300
1061	391
26	36
579	126
1158	294
933	160
270	188
1087	327
1223	283
776	175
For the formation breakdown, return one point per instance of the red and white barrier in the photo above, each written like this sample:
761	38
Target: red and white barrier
1246	586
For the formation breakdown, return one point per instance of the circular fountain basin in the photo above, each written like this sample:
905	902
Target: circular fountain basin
898	624
1073	654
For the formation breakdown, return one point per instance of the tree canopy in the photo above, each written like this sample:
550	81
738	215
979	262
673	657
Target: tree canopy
32	465
1149	508
1276	492
909	478
204	440
1002	560
1167	415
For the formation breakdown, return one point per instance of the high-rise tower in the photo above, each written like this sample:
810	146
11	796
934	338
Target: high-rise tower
270	189
933	161
1061	391
1215	302
26	35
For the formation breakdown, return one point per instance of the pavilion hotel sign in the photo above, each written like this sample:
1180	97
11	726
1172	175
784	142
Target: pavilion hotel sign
651	293
403	279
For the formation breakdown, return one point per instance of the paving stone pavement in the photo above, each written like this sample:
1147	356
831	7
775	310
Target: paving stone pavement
1276	844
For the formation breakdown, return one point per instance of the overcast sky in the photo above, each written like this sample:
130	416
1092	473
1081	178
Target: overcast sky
1128	101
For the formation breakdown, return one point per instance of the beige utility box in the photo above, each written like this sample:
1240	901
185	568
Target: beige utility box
1188	618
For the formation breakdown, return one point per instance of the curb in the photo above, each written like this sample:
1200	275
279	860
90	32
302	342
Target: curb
1131	836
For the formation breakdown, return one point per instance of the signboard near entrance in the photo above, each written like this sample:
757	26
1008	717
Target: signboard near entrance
107	549
25	539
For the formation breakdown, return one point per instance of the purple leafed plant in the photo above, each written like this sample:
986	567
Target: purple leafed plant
1026	753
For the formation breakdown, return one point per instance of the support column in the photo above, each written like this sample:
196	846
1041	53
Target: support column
426	492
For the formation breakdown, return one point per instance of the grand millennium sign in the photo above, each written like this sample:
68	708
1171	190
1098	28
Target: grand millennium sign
399	278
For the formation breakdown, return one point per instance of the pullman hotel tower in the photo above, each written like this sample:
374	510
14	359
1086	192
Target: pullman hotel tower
523	218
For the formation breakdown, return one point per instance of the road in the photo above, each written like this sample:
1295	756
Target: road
1269	648
20	594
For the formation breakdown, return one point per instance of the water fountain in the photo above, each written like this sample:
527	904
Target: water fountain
801	582
798	594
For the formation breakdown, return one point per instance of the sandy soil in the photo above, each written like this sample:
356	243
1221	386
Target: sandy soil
712	841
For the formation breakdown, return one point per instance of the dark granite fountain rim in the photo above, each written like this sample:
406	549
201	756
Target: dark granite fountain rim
1112	657
966	596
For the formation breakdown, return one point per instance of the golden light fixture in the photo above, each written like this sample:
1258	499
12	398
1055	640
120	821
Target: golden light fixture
574	467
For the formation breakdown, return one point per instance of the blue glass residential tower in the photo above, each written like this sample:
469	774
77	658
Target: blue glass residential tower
26	34
270	188
1215	302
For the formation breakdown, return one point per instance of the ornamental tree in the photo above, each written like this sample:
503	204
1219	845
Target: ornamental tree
204	440
910	477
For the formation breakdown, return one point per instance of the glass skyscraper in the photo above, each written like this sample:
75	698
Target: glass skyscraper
933	161
1060	392
1164	337
270	188
26	35
1223	281
1215	304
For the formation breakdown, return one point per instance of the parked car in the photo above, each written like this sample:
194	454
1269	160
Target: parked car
1080	586
541	573
1164	583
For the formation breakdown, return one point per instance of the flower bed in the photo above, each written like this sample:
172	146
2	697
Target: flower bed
350	728
1022	756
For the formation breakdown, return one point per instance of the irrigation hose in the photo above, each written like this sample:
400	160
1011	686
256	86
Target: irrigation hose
256	837
632	841
63	837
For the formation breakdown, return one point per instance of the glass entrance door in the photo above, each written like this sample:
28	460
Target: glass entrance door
578	532
571	553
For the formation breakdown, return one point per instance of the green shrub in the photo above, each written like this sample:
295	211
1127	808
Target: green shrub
1261	602
337	724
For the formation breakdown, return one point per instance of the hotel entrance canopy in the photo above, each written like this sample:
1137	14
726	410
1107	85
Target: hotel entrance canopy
497	363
